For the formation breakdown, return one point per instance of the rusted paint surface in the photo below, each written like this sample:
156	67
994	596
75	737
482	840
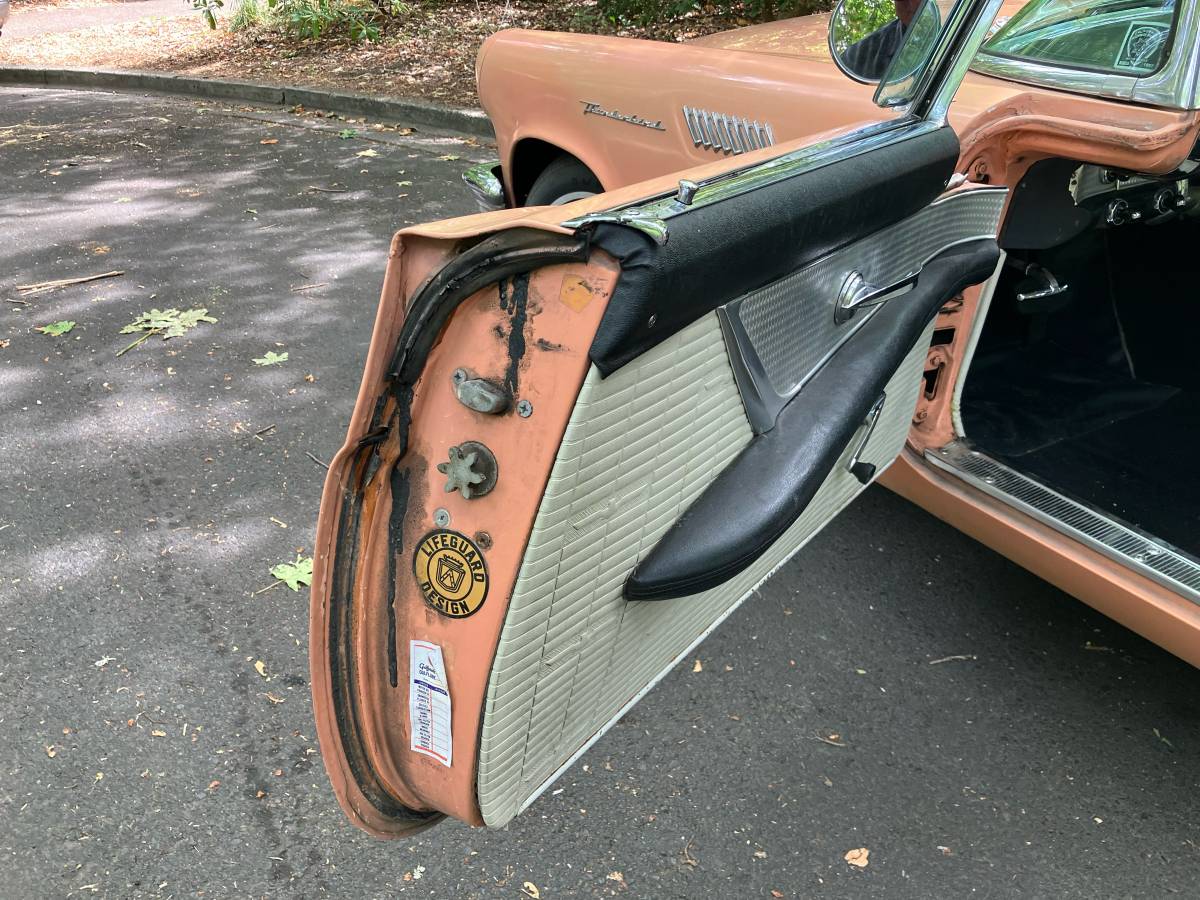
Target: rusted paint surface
389	609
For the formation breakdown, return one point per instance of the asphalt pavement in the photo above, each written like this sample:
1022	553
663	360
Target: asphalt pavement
897	687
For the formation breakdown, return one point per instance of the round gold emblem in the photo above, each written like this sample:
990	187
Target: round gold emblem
451	572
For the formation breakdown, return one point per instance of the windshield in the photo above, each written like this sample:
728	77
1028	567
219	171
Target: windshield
1126	37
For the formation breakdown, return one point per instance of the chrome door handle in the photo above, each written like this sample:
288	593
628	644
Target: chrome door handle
857	293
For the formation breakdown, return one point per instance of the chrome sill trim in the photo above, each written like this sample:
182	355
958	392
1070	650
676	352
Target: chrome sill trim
1146	555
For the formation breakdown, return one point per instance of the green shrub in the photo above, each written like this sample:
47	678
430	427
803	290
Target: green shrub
358	20
248	14
652	12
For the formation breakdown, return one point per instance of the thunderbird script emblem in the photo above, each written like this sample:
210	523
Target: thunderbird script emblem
595	109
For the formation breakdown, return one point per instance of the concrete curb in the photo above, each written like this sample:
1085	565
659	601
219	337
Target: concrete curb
417	112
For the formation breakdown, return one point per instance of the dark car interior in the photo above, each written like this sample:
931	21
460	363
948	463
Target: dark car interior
1085	375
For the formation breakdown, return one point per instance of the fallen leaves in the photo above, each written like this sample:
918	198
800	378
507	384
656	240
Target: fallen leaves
167	322
368	153
274	700
529	889
698	666
296	573
261	668
271	358
859	857
54	329
346	133
269	141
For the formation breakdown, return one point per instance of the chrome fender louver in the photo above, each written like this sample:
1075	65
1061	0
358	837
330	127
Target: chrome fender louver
725	133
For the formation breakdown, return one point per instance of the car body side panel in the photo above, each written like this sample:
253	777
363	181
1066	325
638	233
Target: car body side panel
536	84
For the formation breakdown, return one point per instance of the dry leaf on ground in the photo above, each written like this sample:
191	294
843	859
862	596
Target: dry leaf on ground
858	857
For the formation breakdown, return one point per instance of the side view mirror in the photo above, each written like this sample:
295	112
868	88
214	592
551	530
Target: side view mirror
867	36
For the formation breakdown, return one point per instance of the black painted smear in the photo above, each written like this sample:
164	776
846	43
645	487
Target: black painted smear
550	346
395	541
516	304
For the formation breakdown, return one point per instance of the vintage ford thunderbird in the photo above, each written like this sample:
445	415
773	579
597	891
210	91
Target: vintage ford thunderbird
587	431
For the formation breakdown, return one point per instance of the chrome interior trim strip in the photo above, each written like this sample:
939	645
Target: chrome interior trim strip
1146	555
780	335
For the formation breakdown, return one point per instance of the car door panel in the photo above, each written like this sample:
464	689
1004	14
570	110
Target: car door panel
574	654
472	627
589	483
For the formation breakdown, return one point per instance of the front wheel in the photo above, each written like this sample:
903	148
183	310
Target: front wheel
562	181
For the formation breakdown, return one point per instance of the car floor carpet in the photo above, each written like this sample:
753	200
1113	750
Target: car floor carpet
1137	469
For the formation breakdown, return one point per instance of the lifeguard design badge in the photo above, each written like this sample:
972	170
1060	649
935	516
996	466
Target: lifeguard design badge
451	572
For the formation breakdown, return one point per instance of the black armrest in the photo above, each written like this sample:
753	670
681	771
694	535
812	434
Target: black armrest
766	488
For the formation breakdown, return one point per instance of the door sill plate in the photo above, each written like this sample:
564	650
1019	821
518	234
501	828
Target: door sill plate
1148	556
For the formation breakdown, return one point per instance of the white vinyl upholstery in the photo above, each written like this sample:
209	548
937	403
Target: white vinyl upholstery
640	447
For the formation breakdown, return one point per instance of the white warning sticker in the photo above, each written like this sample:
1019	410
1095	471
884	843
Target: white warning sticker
429	702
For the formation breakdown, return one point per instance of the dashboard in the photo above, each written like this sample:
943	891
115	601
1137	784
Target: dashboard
1120	198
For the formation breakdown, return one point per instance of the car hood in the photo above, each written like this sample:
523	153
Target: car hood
803	37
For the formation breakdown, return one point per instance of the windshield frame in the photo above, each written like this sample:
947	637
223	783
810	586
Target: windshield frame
1103	70
1174	85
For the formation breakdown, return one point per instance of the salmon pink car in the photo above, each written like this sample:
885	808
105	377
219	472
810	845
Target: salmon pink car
726	285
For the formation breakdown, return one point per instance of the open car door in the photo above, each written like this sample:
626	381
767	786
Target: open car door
580	444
